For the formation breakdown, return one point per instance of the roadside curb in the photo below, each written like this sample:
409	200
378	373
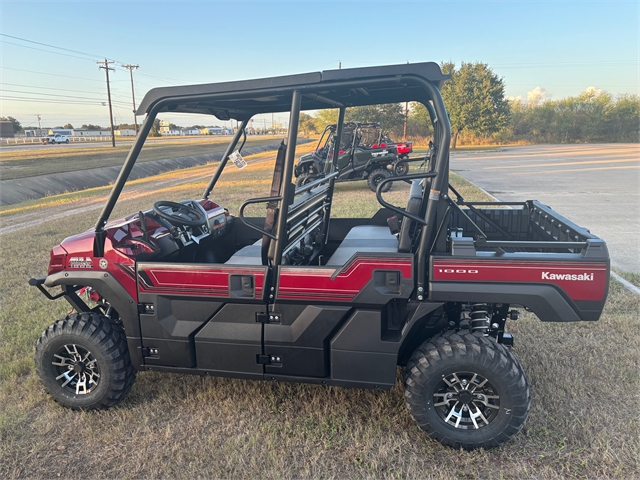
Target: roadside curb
626	284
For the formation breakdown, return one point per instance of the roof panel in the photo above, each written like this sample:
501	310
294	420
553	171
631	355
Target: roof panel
245	98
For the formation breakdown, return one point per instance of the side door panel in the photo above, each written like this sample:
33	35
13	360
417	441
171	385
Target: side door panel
301	339
178	302
315	304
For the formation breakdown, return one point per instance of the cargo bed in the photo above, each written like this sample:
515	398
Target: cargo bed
525	254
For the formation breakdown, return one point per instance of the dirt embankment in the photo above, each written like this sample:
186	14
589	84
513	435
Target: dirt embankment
18	190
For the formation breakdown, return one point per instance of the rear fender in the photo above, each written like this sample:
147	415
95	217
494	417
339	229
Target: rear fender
568	289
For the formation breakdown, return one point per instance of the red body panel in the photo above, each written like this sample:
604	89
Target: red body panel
121	248
195	280
313	284
580	280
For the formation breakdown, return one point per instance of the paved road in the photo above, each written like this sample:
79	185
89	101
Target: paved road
127	142
596	186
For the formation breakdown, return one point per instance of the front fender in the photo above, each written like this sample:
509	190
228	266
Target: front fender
117	296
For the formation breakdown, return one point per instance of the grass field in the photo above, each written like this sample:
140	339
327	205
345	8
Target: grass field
584	419
58	158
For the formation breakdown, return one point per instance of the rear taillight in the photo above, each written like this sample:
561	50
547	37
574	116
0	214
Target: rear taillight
57	260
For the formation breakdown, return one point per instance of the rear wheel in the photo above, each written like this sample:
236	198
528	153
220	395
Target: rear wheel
83	361
466	390
401	168
66	141
378	176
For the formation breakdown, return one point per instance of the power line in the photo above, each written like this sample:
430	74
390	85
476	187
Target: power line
47	51
48	88
51	46
53	95
51	74
53	100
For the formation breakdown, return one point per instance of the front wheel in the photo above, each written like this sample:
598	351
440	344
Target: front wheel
378	176
83	361
66	141
466	390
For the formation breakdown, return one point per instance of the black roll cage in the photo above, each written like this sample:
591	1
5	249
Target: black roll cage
363	86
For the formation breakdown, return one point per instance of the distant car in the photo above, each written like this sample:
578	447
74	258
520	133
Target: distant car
57	138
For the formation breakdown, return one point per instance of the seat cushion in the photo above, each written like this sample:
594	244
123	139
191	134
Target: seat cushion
249	255
364	238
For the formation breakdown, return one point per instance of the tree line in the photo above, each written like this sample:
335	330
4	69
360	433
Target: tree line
480	113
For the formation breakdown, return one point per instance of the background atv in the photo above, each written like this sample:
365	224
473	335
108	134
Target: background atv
365	154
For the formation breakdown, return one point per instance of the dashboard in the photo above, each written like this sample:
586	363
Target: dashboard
146	235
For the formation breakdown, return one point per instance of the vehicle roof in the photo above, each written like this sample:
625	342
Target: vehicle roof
245	98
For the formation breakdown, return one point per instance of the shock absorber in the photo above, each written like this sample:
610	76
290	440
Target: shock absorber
480	320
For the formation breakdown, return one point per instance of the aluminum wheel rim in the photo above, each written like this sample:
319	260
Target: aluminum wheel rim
466	400
75	369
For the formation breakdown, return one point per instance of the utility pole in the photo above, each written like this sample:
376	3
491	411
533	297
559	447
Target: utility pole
39	125
339	65
406	118
133	95
105	65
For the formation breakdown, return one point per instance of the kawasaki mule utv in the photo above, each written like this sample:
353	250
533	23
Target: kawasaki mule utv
298	296
363	155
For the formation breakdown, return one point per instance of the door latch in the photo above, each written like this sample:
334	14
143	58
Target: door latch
268	317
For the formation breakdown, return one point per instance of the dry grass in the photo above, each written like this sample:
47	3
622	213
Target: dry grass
583	423
631	277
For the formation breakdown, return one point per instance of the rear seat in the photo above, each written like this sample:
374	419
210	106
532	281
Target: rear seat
249	255
364	238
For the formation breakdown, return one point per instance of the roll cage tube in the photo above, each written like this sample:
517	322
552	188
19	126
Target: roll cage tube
442	127
225	158
286	186
430	93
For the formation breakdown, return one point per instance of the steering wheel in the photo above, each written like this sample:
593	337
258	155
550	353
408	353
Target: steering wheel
180	215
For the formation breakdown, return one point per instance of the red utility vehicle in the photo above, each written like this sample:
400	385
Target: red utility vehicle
300	296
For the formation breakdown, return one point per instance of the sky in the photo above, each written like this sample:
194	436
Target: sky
558	47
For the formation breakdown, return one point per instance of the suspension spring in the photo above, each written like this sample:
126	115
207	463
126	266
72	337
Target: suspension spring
480	317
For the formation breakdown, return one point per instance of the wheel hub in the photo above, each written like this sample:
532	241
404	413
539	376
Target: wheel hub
466	400
78	367
465	396
75	369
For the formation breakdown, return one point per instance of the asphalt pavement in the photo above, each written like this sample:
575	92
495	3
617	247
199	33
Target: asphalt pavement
596	186
127	141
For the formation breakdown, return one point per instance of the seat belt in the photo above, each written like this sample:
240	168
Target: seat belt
272	207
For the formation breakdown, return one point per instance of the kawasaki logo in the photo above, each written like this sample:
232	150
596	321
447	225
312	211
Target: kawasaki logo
582	277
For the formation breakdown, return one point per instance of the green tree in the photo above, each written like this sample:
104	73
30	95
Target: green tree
15	123
325	117
90	126
68	126
155	128
474	97
390	116
307	123
419	122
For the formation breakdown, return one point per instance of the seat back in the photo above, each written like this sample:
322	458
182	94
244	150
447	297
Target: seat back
414	206
272	210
